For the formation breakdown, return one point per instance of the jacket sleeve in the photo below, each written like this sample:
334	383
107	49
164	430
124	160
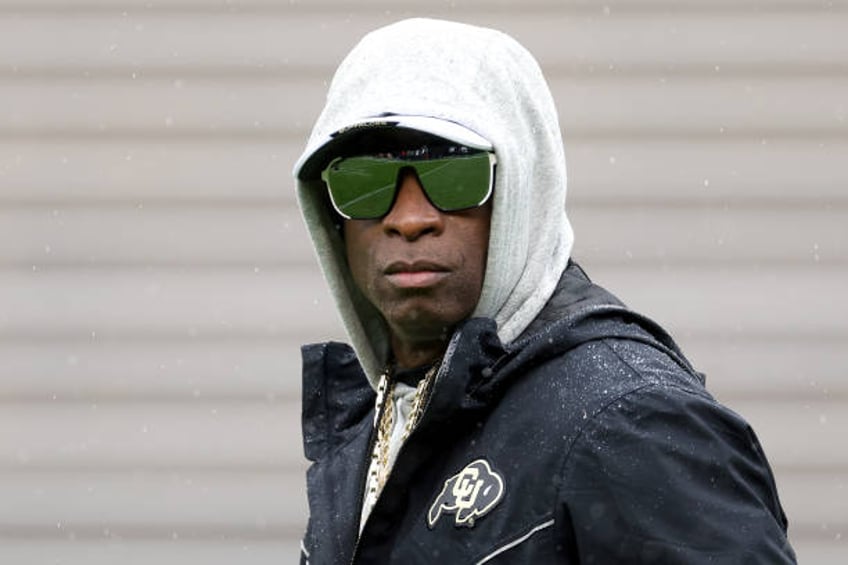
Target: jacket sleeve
666	475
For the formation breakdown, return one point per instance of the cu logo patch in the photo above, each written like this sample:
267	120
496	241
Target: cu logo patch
468	495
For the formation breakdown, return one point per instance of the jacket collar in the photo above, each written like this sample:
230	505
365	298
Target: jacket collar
336	396
477	367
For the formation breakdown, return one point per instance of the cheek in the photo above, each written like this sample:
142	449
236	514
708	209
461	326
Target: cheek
357	248
470	237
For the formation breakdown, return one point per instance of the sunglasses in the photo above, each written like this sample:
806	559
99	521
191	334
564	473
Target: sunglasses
364	188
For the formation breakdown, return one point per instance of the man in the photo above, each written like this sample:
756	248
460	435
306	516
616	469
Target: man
496	406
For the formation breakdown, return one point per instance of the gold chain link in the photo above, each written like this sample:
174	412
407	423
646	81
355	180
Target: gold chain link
379	469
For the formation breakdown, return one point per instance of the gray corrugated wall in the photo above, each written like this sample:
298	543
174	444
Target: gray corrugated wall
155	278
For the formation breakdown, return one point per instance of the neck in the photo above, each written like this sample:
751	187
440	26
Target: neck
411	355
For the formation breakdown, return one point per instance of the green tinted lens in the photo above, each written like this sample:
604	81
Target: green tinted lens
362	187
457	183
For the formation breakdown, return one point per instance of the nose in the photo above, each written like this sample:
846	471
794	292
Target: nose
412	215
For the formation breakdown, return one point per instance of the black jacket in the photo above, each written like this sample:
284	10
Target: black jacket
589	439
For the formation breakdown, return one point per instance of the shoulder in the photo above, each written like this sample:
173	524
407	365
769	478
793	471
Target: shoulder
659	458
608	382
620	391
591	377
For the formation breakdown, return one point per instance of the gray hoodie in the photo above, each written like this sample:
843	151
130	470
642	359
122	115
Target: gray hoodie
485	81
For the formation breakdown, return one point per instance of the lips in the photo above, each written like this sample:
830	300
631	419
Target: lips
416	274
414	267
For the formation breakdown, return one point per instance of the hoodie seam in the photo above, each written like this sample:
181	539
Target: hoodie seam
642	375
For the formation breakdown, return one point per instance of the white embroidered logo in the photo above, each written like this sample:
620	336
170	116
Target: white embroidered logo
468	495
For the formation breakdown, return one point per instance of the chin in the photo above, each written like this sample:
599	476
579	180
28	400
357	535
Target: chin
424	324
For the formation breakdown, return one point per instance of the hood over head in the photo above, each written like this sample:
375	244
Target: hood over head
474	86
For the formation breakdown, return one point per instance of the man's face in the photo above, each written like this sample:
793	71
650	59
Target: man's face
420	267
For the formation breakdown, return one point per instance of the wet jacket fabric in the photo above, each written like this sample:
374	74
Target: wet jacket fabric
588	439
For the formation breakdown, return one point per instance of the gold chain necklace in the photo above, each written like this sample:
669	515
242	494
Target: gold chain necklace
378	470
